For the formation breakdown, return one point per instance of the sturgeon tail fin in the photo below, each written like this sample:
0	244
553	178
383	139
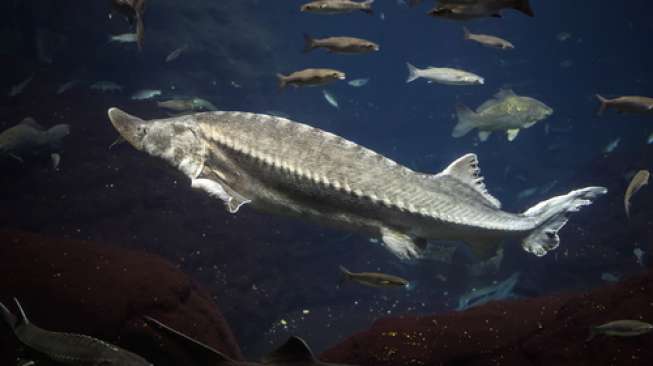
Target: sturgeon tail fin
413	72
525	7
603	106
466	121
552	216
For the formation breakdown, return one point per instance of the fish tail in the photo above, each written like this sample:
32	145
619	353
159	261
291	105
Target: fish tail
367	7
309	43
57	133
467	33
413	72
525	7
603	106
8	316
591	335
346	275
282	81
551	216
466	121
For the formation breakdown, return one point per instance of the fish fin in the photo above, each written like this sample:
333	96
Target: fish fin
8	316
512	134
484	249
466	121
484	135
57	133
591	335
29	121
220	357
56	159
467	33
345	271
525	7
400	244
529	125
345	276
413	72
282	81
466	170
23	317
18	158
231	199
117	141
504	93
309	43
295	350
552	215
367	7
236	202
603	106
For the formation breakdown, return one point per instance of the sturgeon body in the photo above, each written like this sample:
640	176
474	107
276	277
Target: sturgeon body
68	348
277	165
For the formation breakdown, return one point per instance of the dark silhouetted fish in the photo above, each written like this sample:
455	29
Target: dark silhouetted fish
68	348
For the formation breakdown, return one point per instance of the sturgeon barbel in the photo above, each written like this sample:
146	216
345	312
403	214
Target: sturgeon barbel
280	166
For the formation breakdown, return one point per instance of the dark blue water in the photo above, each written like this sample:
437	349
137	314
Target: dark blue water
282	278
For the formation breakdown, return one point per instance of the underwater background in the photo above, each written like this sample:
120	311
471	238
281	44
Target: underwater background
273	277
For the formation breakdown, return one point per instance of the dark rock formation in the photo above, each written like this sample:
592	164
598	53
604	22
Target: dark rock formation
98	290
543	331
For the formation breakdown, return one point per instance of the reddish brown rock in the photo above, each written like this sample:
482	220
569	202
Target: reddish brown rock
102	291
543	331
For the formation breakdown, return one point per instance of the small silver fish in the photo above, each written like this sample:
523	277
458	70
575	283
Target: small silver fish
443	75
337	6
145	94
176	53
374	279
639	256
17	89
488	40
124	38
357	83
639	180
67	86
526	193
105	86
612	146
621	328
331	99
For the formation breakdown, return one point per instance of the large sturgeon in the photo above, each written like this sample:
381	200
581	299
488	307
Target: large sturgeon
282	166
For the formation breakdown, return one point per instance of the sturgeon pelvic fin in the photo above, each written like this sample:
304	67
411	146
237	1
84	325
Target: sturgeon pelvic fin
552	216
400	244
8	316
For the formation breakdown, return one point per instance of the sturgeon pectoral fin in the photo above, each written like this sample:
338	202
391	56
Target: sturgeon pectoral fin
231	199
512	134
236	202
400	244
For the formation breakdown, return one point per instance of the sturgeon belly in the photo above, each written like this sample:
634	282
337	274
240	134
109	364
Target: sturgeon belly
292	168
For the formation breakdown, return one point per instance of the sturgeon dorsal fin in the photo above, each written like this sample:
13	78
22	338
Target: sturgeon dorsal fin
219	357
23	317
294	350
29	121
504	93
466	170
